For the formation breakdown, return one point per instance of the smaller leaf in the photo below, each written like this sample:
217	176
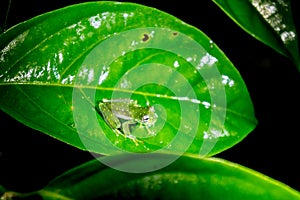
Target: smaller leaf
271	22
187	178
2	189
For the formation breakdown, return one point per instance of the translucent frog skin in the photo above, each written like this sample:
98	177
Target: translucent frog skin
119	114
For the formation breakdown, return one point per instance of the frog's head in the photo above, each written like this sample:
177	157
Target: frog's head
150	118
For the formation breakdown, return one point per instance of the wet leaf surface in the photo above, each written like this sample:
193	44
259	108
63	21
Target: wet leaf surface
55	68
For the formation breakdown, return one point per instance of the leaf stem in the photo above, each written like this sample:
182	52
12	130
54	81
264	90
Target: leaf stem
6	16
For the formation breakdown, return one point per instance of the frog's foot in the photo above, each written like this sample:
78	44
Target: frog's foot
150	132
134	139
129	136
118	132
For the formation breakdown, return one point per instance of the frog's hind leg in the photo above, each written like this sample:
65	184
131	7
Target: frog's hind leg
110	119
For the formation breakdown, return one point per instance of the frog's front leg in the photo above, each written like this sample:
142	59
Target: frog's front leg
126	130
150	132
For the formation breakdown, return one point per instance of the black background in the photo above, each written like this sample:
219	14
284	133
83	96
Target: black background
29	159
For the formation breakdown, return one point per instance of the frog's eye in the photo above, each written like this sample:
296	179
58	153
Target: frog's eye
146	118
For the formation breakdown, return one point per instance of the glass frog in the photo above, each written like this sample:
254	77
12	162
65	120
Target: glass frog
120	114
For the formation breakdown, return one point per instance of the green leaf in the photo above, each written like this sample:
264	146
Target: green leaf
269	21
187	178
55	68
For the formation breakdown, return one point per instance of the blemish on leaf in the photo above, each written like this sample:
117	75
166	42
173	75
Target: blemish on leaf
145	38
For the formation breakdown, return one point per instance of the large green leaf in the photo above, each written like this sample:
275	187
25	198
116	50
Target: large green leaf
269	21
55	68
186	178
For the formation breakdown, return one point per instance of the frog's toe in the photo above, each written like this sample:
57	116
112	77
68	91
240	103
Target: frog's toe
134	139
118	133
137	142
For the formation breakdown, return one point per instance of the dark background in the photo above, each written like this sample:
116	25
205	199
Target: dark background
29	159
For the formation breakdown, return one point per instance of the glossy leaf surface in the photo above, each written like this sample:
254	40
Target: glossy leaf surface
55	68
271	22
186	178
